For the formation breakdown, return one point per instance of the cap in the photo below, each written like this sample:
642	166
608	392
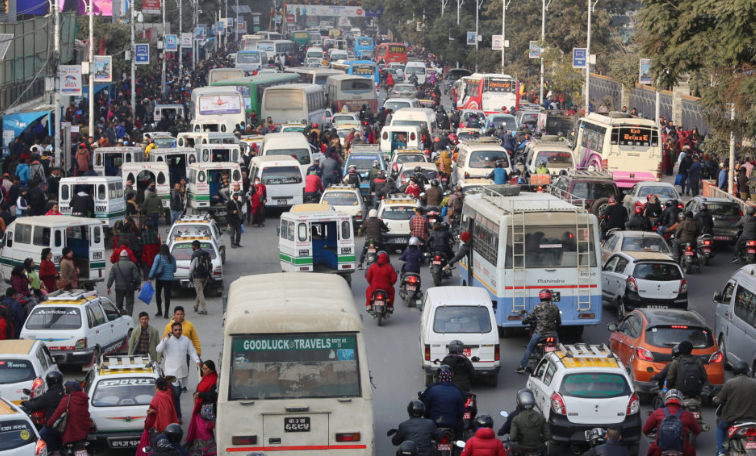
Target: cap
124	254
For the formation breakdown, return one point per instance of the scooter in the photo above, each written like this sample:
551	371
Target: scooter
747	253
705	248
688	258
379	306
741	439
38	417
410	289
438	262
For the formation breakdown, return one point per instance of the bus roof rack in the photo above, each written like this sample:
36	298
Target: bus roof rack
583	350
482	140
526	202
588	174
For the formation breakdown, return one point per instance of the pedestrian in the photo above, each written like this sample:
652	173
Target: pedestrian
150	244
199	273
69	273
162	410
177	203
152	206
163	270
48	272
694	176
261	194
234	219
125	275
179	316
175	348
200	438
144	338
723	178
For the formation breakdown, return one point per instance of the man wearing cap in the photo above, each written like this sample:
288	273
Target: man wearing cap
125	274
234	218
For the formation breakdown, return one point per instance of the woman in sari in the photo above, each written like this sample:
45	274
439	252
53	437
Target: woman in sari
48	272
199	438
162	411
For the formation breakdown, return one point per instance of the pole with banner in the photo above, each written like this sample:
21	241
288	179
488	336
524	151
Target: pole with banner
142	54
103	68
579	57
70	80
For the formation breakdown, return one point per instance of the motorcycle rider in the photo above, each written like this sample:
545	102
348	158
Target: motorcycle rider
499	174
530	431
434	195
417	429
673	406
462	368
353	177
441	239
419	226
661	377
704	219
637	221
378	182
382	192
76	402
652	209
422	180
748	222
454	204
373	229
687	373
412	257
484	442
547	319
313	186
687	232
669	217
612	447
615	216
50	399
373	173
507	426
381	275
174	433
464	249
407	448
445	404
737	402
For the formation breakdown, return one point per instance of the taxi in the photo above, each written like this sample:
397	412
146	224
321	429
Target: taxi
120	389
407	170
24	364
402	156
346	199
580	387
396	212
18	435
181	249
78	327
198	223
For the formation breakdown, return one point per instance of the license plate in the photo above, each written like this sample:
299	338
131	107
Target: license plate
657	307
466	416
281	202
697	415
371	251
401	241
751	250
83	452
688	253
436	262
444	447
467	352
549	348
750	445
123	443
380	303
411	288
706	250
297	424
721	238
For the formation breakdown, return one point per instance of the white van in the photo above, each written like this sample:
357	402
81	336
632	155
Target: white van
107	192
283	178
178	160
205	180
291	145
735	327
477	158
142	174
460	313
170	110
218	153
197	138
416	68
399	137
107	161
314	52
415	117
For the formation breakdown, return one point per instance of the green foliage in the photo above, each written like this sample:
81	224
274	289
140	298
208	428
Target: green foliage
117	39
624	68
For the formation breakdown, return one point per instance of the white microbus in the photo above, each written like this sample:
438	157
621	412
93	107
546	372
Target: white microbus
219	106
294	103
277	47
221	74
628	147
317	76
294	377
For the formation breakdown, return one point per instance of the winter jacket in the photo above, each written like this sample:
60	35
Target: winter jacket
22	171
78	417
737	398
122	274
417	430
48	401
687	231
381	276
152	204
688	421
434	196
669	216
82	160
463	370
748	223
546	316
373	228
169	269
705	221
530	430
445	405
694	173
616	216
484	443
413	258
176	203
637	223
154	340
82	204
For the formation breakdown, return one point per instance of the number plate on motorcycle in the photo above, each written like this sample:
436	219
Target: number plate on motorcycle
688	253
82	452
380	303
467	352
696	415
371	250
549	348
750	445
436	262
444	447
721	238
411	288
466	416
751	250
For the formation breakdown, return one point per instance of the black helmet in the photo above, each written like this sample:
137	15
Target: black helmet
418	169
407	448
525	399
670	203
499	163
54	378
676	351
456	346
174	433
416	408
750	210
434	183
740	368
689	214
484	420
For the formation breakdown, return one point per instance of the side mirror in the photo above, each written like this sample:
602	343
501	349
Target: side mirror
504	413
391	432
26	391
459	443
612	327
718	297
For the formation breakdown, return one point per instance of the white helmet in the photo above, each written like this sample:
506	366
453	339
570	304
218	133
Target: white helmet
414	241
373	213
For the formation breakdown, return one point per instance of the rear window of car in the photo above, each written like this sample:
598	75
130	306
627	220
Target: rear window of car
406	158
398	213
669	336
657	271
362	162
16	434
724	209
462	319
644	244
121	392
594	385
280	175
16	371
183	252
50	317
341	198
592	190
662	192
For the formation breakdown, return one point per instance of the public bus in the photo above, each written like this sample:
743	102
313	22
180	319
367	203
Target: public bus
364	47
363	68
351	91
317	76
294	103
250	61
217	105
302	38
391	52
489	92
270	35
294	375
221	74
628	147
249	42
277	47
526	242
252	87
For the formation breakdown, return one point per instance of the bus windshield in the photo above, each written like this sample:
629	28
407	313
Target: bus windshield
248	57
294	366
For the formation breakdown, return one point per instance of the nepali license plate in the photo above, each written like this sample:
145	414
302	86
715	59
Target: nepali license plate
380	303
401	240
467	352
371	251
444	447
123	443
187	284
549	348
721	238
436	262
282	202
751	250
83	452
688	253
297	424
696	415
657	306
466	416
750	445
411	288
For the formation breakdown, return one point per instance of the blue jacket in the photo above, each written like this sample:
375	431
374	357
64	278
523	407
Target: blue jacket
499	176
508	142
22	171
16	314
168	269
412	258
445	405
694	172
722	182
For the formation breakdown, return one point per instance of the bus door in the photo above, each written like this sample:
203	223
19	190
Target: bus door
178	166
295	253
95	270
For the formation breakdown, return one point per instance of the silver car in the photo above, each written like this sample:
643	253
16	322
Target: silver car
633	241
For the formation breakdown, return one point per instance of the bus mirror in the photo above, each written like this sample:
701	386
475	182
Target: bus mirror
717	294
612	327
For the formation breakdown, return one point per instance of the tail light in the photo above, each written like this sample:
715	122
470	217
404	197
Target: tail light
359	214
445	439
549	340
82	344
707	242
716	358
683	286
37	387
644	354
244	440
633	406
659	171
412	279
632	284
680	206
689	248
605	163
751	243
747	432
218	272
438	257
41	449
557	404
348	437
469	402
740	213
379	297
427	352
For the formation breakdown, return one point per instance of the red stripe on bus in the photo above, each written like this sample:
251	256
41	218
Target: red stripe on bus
299	448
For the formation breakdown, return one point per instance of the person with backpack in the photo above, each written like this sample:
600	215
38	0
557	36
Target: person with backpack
14	313
672	424
199	272
735	401
687	373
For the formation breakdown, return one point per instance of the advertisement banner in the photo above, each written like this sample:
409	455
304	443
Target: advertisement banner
151	7
200	32
103	68
291	18
186	40
497	42
241	27
645	72
534	50
325	10
219	27
579	57
220	104
142	53
471	38
70	80
171	43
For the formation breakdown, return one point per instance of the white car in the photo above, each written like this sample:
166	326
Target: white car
640	191
78	326
643	279
24	364
401	156
181	249
345	117
202	223
396	212
18	435
346	199
580	387
407	169
120	389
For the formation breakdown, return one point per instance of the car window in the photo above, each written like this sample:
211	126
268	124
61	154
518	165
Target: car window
621	264
644	244
110	310
51	317
42	359
549	376
724	209
16	371
594	385
99	315
669	336
657	271
462	319
123	392
745	305
398	213
663	193
727	293
609	266
541	369
611	242
16	434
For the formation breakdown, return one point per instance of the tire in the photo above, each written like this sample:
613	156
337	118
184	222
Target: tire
379	319
723	349
620	309
223	256
704	260
348	278
633	449
598	205
556	449
436	279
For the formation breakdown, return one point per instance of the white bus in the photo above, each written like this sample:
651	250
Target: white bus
219	106
351	91
294	377
317	76
250	60
249	42
526	242
489	92
294	103
628	147
270	35
222	74
277	47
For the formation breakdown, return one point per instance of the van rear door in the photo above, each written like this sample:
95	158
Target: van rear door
96	253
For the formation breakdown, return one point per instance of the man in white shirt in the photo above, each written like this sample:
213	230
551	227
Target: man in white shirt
175	347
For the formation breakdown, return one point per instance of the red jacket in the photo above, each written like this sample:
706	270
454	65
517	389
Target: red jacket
313	184
381	275
484	443
78	417
689	424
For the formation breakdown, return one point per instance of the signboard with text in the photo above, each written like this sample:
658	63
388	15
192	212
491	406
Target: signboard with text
325	10
186	40
142	54
579	57
171	43
103	68
70	80
497	42
151	7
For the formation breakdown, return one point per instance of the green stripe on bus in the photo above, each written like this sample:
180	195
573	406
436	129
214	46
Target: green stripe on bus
288	259
109	215
347	258
199	197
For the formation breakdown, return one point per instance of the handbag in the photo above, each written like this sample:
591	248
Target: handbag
207	412
134	284
62	421
146	294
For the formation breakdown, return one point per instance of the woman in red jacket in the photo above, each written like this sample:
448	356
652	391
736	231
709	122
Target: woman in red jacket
381	276
76	402
484	443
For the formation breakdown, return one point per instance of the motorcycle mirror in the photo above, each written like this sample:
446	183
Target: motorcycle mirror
26	391
147	449
459	443
612	327
390	432
436	361
475	359
504	413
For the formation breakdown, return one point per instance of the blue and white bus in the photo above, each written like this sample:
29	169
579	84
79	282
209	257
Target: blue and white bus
524	243
364	47
364	68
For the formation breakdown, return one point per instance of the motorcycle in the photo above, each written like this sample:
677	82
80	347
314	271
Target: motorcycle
691	404
705	248
37	417
547	343
688	258
410	288
747	253
438	262
444	442
372	254
741	439
75	449
379	306
471	410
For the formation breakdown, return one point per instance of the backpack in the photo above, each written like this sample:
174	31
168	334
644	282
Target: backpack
353	180
689	381
670	434
5	314
204	265
457	205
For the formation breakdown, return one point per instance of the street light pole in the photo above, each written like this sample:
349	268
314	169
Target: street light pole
478	4
162	78
133	60
459	5
236	22
504	6
181	40
91	68
587	90
543	39
56	50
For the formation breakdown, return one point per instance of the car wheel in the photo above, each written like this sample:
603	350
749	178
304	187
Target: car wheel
620	309
723	349
599	205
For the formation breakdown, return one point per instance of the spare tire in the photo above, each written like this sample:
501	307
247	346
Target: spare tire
599	205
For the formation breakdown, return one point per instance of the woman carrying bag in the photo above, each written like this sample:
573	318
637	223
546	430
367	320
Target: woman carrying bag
70	421
199	438
162	272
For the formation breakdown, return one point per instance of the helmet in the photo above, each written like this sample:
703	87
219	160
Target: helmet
407	448
416	409
491	124
648	197
314	125
673	396
418	169
483	420
376	164
456	346
373	213
689	214
174	433
54	378
465	236
382	174
434	183
676	351
681	216
750	210
499	163
669	203
352	168
544	295
740	368
638	210
525	399
612	200
413	241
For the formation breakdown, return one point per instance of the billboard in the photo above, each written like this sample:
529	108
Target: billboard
325	10
219	104
70	80
103	68
151	7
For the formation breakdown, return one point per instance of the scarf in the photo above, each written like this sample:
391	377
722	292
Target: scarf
204	386
165	410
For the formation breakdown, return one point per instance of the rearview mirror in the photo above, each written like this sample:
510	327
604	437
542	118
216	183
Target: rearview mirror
718	297
612	327
504	413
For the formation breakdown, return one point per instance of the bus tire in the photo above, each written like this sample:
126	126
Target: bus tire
598	205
